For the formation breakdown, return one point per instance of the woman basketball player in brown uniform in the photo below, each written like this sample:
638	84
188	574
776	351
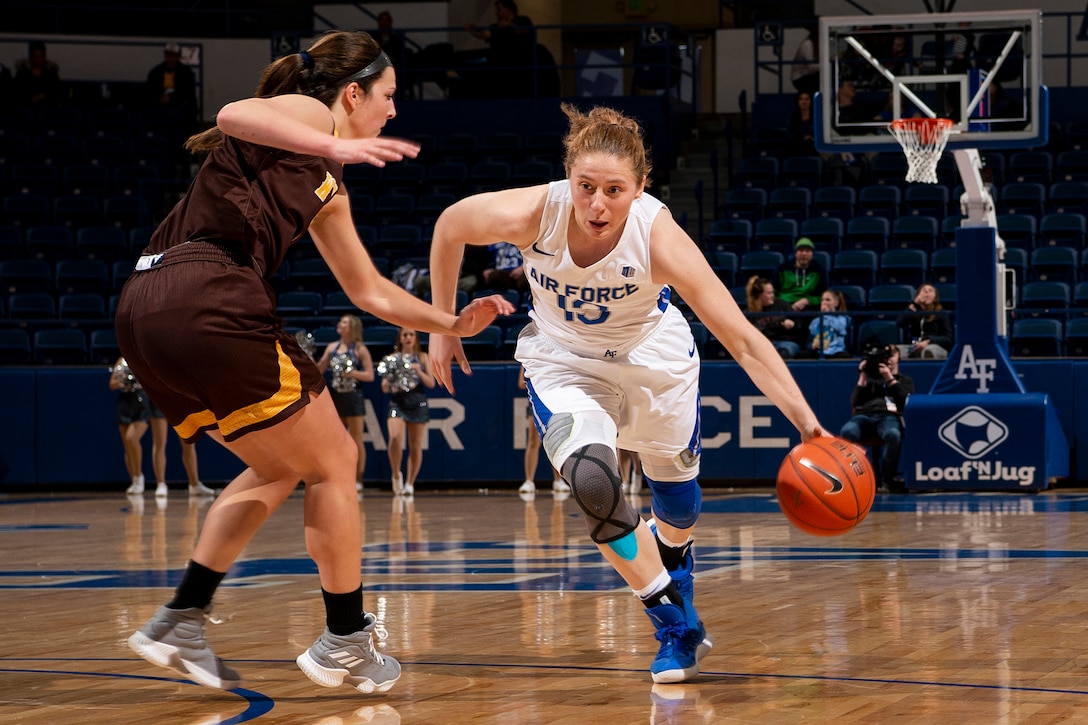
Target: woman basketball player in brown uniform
197	323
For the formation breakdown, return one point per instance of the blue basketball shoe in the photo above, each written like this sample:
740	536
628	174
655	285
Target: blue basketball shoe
675	661
685	584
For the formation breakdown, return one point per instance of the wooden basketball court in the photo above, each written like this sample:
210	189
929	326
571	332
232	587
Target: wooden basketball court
942	608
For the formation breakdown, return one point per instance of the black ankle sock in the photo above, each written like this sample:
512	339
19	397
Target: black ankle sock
672	557
344	612
668	595
198	584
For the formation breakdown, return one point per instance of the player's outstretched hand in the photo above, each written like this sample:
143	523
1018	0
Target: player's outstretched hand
480	313
375	151
474	317
816	431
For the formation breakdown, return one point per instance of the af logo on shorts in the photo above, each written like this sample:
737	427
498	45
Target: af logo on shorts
973	432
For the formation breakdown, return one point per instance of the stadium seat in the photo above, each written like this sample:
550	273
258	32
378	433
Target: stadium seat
870	233
1068	196
1061	230
81	306
1030	167
903	266
926	200
51	243
1017	230
103	348
915	232
802	171
725	264
882	201
102	242
1044	299
825	232
1018	197
26	275
942	265
760	262
759	172
63	346
789	202
745	203
835	201
299	303
774	235
484	346
890	297
877	332
730	235
853	294
1055	264
82	275
854	267
1076	337
14	346
32	306
1036	338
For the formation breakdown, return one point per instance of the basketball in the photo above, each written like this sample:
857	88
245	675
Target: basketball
826	486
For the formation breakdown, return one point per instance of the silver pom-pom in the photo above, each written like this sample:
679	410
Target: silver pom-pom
341	363
396	369
128	380
306	342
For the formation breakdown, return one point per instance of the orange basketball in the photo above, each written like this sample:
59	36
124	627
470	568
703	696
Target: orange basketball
826	486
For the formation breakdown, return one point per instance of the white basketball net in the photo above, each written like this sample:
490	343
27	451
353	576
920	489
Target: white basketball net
923	141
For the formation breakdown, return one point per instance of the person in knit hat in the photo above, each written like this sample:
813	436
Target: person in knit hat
801	279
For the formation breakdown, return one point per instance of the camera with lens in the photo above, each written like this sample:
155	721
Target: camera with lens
875	356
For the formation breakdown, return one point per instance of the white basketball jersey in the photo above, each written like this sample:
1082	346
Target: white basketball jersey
607	308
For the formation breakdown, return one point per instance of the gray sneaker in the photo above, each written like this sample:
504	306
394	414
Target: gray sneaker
174	638
351	659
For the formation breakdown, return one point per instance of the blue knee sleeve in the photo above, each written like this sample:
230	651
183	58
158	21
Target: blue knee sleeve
677	504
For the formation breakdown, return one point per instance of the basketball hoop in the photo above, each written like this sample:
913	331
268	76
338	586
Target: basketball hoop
923	141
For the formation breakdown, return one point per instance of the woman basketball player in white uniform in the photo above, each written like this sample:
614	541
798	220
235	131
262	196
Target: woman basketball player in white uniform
609	362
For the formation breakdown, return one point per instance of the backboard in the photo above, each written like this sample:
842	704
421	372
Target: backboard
983	70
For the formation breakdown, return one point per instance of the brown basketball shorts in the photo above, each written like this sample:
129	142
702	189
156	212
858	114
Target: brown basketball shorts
200	332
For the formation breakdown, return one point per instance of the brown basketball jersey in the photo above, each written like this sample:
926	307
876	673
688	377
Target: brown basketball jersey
261	198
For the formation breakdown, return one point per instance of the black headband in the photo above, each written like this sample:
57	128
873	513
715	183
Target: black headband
376	66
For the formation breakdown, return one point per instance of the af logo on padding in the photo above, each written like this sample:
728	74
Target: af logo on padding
973	432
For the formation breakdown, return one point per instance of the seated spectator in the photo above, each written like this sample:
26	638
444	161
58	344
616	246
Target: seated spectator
505	270
801	280
782	331
925	326
827	333
805	73
37	79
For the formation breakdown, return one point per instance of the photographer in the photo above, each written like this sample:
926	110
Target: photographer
877	404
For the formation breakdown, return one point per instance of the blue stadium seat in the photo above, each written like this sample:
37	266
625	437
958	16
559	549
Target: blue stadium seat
1018	197
63	346
81	306
101	242
745	203
1068	196
26	275
1076	337
1044	299
915	232
890	297
854	267
877	332
1017	230
789	202
760	262
774	235
853	294
103	347
1056	264
903	266
1036	338
942	265
299	303
1062	230
835	201
14	346
825	232
870	233
731	235
725	264
803	171
882	201
82	275
32	306
926	200
1030	167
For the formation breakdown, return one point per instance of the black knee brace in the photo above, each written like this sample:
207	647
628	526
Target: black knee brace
593	474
